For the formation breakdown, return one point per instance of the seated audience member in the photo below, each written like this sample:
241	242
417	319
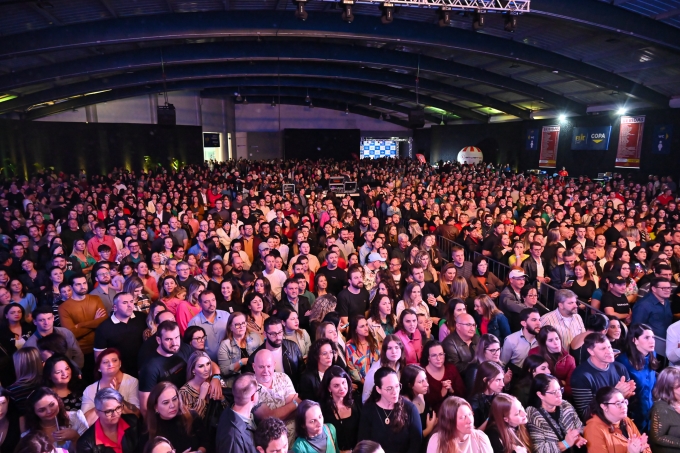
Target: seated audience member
312	434
388	418
552	422
664	434
489	318
655	308
561	363
361	350
113	432
457	427
29	377
442	378
461	344
488	350
62	376
609	428
321	356
565	318
10	432
488	383
533	365
271	436
109	369
194	394
507	429
517	345
236	428
410	336
414	386
166	416
600	370
238	345
46	413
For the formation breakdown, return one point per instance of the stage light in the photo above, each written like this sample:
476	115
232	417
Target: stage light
562	118
387	13
238	97
442	123
478	21
348	12
444	17
621	111
273	103
307	98
370	102
300	12
510	23
347	110
245	101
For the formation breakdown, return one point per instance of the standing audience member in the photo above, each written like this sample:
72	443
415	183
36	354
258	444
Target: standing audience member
43	318
565	318
114	431
339	407
236	429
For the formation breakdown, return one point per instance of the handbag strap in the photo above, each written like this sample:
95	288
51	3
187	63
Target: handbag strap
330	434
560	435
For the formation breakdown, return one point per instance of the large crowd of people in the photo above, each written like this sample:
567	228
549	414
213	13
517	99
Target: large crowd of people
213	309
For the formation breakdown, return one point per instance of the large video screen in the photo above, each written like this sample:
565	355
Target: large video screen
378	149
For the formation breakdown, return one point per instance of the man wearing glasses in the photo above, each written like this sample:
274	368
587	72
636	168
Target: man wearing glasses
655	308
461	344
285	354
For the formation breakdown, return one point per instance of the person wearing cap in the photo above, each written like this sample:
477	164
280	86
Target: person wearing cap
614	301
510	300
374	263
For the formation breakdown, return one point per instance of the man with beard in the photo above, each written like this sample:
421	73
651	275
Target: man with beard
104	290
353	300
565	318
285	354
164	365
82	314
516	346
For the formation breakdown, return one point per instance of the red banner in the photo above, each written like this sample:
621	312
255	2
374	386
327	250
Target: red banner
550	137
630	142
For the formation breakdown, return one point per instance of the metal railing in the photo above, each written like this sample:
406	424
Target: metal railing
546	291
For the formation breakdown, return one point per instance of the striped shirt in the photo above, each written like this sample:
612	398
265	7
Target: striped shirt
568	328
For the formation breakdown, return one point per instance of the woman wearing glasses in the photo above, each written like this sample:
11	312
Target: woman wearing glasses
553	423
113	432
235	349
320	358
195	337
488	350
609	429
390	419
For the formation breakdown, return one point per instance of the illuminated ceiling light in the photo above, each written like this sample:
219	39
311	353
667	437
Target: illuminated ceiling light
562	118
300	12
307	98
442	123
621	111
387	13
348	12
510	23
478	21
238	97
311	105
7	97
444	17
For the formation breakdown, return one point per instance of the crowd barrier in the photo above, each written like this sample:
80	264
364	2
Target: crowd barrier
546	291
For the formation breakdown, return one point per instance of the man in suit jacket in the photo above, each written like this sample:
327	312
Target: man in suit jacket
560	274
535	267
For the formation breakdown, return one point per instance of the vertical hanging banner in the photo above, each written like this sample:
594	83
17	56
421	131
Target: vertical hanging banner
630	142
550	137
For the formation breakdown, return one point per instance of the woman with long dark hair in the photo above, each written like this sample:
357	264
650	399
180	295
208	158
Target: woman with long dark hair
443	378
313	435
533	365
488	350
47	414
339	408
14	331
361	350
393	355
561	364
483	281
63	376
641	363
166	416
664	434
553	423
320	358
414	387
381	321
390	419
488	383
608	427
455	432
507	429
10	433
489	318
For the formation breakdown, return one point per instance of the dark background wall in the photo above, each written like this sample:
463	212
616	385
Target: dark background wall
505	142
96	147
339	144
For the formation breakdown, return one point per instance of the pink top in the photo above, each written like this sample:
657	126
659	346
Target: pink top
413	348
172	304
185	311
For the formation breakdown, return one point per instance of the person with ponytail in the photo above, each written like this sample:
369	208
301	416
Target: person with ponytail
641	363
455	432
390	419
507	429
608	428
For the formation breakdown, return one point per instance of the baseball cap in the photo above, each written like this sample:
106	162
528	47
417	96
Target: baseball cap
615	279
516	273
375	257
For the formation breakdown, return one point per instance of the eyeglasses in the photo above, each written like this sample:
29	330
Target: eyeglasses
112	412
466	324
240	324
199	339
438	356
619	404
664	288
554	392
274	334
494	351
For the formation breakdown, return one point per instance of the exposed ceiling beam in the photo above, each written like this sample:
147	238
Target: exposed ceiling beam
319	25
43	12
109	8
668	14
252	51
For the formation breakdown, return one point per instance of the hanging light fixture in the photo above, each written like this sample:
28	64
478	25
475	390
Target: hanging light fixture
245	101
307	98
273	103
346	109
442	123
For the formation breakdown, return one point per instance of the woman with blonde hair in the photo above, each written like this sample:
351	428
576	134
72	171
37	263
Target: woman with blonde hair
189	308
455	432
489	318
507	429
413	299
448	274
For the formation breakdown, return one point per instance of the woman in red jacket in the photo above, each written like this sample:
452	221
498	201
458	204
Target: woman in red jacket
560	362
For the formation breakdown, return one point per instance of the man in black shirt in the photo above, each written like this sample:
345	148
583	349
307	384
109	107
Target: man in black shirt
353	300
336	277
614	301
123	331
164	365
184	278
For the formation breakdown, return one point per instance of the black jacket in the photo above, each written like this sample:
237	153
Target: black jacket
233	434
529	266
310	384
303	307
86	442
293	364
481	407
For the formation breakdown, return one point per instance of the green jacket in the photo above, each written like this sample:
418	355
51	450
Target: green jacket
302	446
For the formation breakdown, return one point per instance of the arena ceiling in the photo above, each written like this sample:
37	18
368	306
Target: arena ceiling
565	56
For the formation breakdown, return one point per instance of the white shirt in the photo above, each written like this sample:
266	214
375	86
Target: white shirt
276	279
673	343
129	389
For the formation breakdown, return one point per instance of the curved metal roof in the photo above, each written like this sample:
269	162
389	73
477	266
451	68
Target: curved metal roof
564	56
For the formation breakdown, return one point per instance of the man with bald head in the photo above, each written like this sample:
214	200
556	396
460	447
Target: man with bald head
461	344
275	391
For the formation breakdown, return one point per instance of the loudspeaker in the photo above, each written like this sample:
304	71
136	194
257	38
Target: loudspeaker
166	115
416	118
